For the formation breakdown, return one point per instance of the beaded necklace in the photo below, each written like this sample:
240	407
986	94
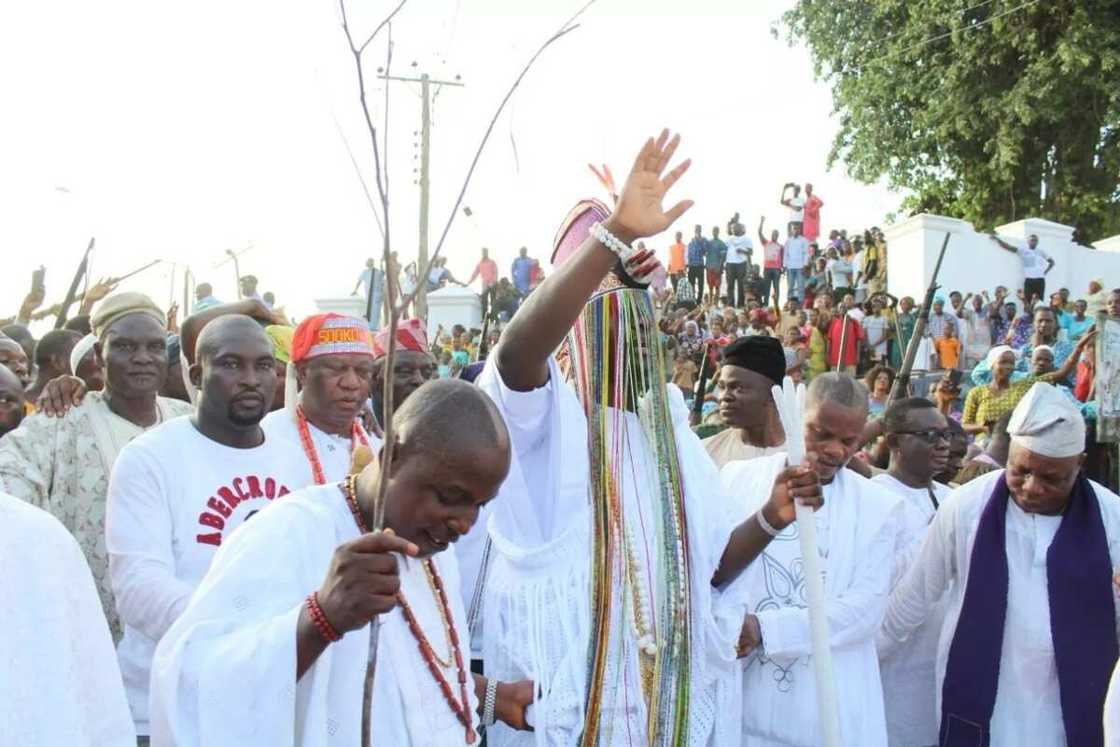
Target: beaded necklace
357	436
460	707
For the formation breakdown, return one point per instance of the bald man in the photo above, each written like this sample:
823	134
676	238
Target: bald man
857	530
1026	557
284	611
178	492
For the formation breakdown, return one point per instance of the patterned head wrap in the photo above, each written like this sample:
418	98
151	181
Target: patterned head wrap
411	335
330	334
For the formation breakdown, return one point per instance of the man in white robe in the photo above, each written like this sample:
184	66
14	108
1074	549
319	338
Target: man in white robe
331	358
58	673
1026	555
856	534
62	464
917	435
246	665
612	508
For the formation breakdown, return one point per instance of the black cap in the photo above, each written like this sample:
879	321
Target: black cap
763	355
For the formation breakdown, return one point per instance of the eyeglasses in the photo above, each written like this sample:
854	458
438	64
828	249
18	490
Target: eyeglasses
930	436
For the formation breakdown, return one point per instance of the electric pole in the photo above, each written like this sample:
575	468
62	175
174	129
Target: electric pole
425	81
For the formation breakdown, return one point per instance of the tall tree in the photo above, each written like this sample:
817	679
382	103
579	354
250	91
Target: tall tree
992	111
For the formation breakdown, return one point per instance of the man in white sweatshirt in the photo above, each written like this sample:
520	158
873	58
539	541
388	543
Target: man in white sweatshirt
179	490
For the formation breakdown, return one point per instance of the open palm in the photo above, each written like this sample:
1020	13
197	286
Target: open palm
639	211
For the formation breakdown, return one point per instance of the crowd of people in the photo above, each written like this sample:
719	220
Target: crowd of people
587	530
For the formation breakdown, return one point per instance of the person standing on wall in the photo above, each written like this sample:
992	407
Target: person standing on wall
1036	263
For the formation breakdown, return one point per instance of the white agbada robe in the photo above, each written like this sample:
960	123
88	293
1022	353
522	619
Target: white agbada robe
333	451
1027	710
537	604
58	671
908	672
1112	711
224	674
856	533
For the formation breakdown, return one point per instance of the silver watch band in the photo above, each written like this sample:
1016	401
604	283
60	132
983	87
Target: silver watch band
490	701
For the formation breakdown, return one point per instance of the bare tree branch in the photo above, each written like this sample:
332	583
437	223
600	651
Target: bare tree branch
568	26
380	26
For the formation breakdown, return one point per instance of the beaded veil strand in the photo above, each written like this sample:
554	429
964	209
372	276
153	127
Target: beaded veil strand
617	366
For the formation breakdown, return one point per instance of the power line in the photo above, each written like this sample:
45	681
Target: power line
971	27
954	13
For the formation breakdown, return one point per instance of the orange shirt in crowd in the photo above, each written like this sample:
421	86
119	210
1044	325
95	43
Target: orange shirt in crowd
949	351
676	258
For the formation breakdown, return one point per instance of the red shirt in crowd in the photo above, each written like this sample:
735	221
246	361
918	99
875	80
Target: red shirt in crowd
835	331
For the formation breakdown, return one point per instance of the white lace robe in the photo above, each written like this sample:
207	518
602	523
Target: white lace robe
538	594
856	532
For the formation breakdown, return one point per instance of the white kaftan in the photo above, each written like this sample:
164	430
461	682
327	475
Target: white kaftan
538	594
58	672
1027	709
908	673
856	533
224	675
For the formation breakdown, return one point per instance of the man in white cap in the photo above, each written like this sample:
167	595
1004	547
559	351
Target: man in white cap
62	464
1026	555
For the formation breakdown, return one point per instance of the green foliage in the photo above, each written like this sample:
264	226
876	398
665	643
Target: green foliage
990	111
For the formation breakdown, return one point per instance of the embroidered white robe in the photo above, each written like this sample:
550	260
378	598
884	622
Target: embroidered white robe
224	675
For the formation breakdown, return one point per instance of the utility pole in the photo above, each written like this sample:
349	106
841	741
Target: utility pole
426	82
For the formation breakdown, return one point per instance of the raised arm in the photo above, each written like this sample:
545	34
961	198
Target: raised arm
193	324
541	324
782	199
761	237
1003	244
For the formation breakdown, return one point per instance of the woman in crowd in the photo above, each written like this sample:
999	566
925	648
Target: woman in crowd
879	381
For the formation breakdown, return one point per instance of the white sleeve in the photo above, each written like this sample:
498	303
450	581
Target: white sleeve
138	537
924	584
854	615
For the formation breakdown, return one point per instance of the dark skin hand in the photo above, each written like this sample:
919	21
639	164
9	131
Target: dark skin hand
361	583
749	539
510	701
549	313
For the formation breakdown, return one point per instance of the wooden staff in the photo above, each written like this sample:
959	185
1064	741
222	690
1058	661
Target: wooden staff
902	381
701	384
790	401
70	294
843	341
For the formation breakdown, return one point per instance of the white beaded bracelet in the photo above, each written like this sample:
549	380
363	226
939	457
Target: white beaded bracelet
490	702
624	251
766	526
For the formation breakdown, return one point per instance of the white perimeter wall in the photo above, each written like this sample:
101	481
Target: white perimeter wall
974	263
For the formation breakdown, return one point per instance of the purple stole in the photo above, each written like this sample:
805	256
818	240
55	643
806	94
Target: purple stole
1082	623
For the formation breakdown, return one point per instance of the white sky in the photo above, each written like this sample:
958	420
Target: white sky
183	129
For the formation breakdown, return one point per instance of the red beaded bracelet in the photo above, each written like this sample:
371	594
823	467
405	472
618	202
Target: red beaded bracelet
330	635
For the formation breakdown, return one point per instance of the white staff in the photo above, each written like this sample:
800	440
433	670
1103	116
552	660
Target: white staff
790	401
